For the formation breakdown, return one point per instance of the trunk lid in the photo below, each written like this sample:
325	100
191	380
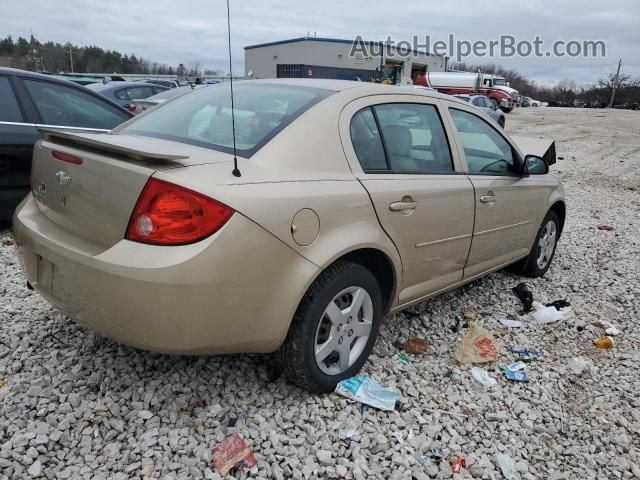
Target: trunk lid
93	196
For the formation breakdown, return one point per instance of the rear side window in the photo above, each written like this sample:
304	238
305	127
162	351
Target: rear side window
414	138
121	94
9	110
203	117
135	93
64	106
366	141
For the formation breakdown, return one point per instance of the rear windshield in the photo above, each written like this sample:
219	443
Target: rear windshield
203	117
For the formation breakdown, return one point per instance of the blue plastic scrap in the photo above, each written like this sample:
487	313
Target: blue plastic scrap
523	353
364	390
515	376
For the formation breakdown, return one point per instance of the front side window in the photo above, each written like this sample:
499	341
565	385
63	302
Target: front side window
414	138
203	117
9	110
65	106
485	149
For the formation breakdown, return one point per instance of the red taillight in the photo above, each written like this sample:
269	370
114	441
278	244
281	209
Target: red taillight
66	157
167	214
132	107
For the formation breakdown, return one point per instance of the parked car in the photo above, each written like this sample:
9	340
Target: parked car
487	105
164	83
162	97
30	101
351	200
126	93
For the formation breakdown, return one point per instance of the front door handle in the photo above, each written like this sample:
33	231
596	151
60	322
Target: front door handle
405	204
488	198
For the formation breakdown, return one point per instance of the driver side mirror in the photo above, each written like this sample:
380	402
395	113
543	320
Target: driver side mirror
536	165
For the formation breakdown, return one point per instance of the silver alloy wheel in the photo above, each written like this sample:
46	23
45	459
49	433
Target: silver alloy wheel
343	330
546	244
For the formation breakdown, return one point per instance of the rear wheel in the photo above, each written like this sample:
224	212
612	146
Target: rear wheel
544	247
334	328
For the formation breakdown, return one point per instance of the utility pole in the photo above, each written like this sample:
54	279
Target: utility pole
71	58
616	83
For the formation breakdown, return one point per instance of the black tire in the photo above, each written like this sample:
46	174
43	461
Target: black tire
296	355
501	122
530	267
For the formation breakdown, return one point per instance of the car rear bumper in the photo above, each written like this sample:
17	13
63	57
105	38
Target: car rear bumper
235	291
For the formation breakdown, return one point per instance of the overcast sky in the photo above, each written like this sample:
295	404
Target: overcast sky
173	31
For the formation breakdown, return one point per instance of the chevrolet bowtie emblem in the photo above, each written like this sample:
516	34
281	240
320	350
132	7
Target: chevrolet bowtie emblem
63	178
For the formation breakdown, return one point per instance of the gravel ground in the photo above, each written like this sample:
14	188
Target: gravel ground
79	406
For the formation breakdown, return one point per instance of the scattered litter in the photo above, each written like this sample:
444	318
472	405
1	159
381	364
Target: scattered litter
517	366
546	315
609	328
515	376
439	452
525	295
232	452
415	346
403	358
605	226
482	376
579	365
507	466
477	346
604	343
511	323
559	304
523	353
458	464
8	242
3	383
364	390
397	344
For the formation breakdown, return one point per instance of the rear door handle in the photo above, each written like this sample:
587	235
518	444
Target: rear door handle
401	206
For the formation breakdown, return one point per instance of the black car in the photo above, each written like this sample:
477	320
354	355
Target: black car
31	101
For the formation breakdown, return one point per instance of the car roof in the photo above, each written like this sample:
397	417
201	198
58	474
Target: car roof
363	88
35	75
117	84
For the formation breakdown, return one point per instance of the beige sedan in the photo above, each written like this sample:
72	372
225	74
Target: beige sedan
352	200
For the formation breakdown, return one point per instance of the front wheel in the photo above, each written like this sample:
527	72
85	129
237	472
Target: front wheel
544	247
501	122
334	328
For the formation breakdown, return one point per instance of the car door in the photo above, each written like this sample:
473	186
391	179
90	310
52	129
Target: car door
59	105
398	148
507	205
17	137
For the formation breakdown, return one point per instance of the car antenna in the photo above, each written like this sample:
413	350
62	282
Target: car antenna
236	172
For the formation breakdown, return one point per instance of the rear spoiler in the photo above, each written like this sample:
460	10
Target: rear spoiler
136	148
540	147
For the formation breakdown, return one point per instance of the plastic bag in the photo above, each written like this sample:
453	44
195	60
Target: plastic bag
364	390
477	346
